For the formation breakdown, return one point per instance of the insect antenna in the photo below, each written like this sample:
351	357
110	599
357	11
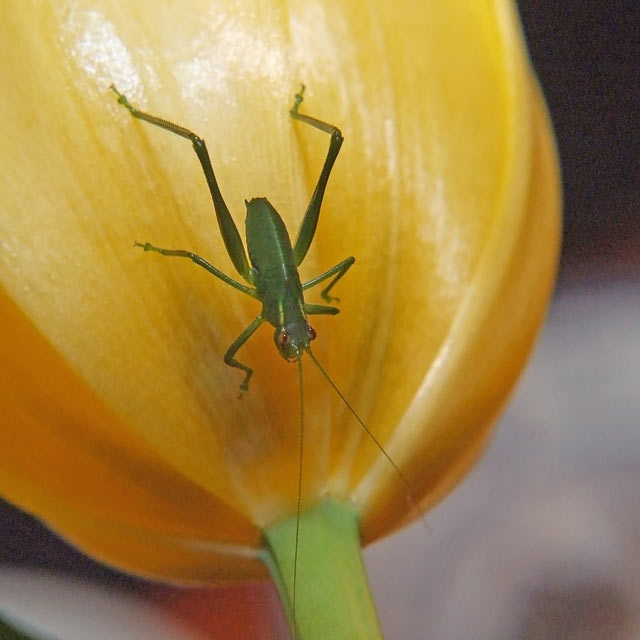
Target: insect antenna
410	498
299	501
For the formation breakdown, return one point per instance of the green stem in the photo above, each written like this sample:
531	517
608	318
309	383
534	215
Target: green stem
332	593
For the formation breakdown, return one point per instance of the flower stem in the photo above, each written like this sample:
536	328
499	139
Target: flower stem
332	593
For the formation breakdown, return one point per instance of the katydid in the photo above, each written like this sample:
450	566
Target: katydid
271	273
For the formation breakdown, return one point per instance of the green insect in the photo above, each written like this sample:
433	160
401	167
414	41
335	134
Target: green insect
272	273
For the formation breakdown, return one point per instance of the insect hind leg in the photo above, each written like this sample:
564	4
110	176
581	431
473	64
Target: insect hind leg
228	229
310	221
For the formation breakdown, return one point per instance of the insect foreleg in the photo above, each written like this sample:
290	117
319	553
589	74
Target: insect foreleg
181	253
233	349
338	270
310	220
228	229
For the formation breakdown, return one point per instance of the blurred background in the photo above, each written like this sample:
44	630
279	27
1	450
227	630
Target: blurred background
541	539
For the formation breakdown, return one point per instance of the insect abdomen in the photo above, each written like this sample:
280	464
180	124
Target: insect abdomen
271	256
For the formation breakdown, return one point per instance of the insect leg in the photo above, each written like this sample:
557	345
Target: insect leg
310	220
320	309
228	229
338	270
233	349
181	253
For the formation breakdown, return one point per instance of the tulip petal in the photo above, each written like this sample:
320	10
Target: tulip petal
76	465
445	191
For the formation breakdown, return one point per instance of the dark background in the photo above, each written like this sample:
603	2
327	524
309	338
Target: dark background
587	56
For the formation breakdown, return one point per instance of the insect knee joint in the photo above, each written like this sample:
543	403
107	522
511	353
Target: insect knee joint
197	141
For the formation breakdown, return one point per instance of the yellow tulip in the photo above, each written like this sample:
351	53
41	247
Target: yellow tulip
121	424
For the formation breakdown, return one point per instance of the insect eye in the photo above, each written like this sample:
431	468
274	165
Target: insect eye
311	332
284	338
